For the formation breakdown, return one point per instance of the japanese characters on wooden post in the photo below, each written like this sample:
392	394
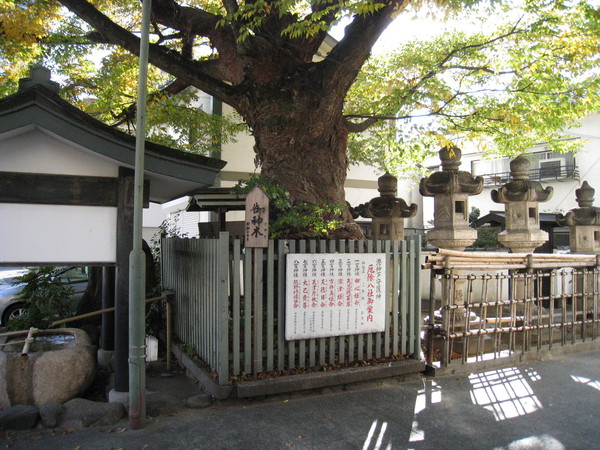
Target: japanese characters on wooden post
257	218
334	294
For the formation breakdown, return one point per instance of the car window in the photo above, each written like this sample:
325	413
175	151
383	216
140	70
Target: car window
7	277
6	281
74	275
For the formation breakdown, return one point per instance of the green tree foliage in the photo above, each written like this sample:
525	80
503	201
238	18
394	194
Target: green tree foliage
487	237
530	74
102	79
473	216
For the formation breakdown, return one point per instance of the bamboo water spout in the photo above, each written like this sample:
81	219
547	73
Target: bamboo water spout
28	341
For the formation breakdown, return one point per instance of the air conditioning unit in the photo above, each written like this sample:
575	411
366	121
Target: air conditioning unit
551	168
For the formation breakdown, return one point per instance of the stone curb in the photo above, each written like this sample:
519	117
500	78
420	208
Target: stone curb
296	383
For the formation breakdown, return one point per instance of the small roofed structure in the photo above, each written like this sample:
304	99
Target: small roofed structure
219	201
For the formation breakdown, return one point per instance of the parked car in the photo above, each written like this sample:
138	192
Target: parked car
11	306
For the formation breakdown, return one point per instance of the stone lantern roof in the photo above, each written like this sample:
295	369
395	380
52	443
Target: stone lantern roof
521	189
586	214
450	180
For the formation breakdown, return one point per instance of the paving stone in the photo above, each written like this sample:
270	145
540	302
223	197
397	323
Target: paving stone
82	413
19	417
199	401
51	414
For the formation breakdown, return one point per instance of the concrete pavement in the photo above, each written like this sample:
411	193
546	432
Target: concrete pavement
551	404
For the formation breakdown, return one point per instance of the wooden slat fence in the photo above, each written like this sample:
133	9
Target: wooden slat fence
236	325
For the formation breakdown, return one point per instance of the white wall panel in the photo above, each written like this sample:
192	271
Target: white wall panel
38	234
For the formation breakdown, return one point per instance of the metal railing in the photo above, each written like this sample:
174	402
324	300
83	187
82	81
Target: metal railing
238	330
540	174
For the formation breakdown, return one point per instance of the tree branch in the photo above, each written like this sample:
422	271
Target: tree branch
186	19
360	127
231	6
128	114
168	60
342	64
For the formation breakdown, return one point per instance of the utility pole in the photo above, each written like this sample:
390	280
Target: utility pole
137	259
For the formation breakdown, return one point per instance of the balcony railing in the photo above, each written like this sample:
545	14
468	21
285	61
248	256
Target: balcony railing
569	171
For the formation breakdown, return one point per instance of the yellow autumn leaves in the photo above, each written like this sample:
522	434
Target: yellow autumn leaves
27	22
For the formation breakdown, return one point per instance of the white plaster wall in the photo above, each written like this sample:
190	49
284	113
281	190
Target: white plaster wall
38	234
54	233
240	154
37	151
357	196
154	216
363	172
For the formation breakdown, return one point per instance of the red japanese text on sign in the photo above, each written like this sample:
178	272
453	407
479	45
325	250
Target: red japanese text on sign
334	294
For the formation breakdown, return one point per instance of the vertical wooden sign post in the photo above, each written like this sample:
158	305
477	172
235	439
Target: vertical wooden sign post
257	219
257	238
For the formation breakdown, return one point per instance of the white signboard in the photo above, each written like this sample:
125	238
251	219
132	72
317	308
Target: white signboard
334	294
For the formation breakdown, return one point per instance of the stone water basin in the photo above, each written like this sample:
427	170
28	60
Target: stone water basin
59	366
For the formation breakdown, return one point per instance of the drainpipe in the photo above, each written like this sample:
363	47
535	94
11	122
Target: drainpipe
137	260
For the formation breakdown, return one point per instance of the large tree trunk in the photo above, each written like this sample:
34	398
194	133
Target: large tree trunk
307	156
301	143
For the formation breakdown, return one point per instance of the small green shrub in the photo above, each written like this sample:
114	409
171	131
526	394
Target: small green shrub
287	219
487	237
45	297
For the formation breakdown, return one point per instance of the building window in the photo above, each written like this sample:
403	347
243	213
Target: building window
551	168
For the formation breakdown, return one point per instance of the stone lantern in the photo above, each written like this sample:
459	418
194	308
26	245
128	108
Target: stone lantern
387	211
583	222
451	189
521	197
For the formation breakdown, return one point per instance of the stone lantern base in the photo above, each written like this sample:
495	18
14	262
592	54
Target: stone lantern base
388	228
523	241
453	239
